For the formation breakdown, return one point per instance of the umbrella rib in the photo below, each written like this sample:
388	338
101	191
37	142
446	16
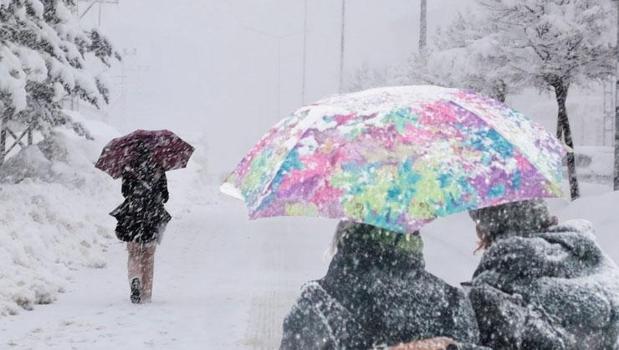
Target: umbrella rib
473	112
306	127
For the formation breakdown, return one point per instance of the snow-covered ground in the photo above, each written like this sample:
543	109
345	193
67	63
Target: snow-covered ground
225	282
50	197
221	281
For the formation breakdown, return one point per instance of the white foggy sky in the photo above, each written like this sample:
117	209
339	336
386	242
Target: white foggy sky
210	66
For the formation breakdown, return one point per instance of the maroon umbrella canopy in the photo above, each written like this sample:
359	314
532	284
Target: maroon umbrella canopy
168	150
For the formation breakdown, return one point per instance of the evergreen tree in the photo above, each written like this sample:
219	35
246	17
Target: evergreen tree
45	56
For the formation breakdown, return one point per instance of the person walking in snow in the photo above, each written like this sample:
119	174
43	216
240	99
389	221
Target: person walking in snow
142	219
377	292
540	285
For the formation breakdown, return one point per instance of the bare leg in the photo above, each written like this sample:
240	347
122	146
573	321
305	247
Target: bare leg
148	269
133	263
134	269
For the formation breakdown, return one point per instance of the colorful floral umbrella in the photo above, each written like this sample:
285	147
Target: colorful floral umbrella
397	158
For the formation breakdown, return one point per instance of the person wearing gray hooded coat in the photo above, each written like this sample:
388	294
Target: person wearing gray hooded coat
377	293
540	285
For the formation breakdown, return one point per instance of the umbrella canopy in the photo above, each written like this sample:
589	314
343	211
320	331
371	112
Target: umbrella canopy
168	150
397	158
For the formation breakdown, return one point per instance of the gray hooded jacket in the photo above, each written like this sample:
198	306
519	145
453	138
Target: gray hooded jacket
547	290
377	292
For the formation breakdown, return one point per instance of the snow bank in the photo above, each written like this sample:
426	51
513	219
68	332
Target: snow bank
53	206
595	163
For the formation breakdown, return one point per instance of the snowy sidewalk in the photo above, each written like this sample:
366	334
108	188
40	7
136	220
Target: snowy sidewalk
218	284
221	281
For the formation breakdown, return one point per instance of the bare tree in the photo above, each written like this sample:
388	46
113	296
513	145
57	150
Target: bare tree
553	44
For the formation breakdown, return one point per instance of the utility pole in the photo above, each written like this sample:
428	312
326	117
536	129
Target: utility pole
342	47
616	170
423	26
304	68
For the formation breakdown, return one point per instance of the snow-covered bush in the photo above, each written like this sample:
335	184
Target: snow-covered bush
53	217
595	163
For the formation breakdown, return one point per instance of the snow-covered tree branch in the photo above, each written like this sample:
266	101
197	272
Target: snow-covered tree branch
553	44
464	55
45	56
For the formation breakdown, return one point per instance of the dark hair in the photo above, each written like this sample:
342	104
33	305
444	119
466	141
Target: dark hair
511	219
349	234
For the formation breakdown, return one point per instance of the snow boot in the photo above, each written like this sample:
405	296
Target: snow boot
136	291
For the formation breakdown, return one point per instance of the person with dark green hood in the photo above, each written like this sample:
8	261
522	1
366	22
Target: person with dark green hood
541	285
378	293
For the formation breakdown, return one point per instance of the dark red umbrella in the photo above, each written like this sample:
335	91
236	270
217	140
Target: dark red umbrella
168	150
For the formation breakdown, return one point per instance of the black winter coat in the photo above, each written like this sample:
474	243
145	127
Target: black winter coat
548	291
142	215
375	295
